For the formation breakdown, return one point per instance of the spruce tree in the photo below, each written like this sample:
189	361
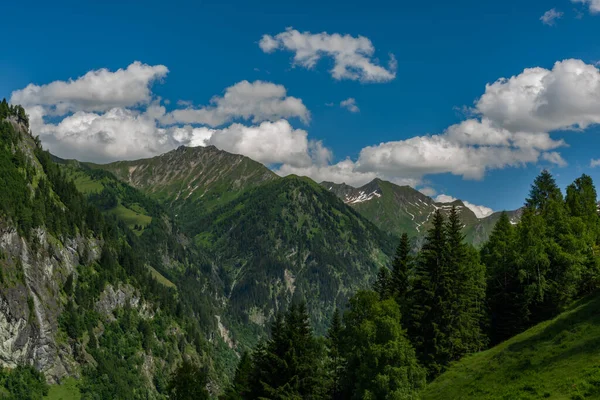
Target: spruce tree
383	283
426	300
241	386
290	364
464	293
504	295
336	362
400	271
543	190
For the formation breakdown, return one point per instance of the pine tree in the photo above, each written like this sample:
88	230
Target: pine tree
336	362
504	296
383	283
400	271
427	299
543	190
241	386
464	293
290	364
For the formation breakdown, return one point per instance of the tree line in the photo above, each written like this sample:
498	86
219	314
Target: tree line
434	307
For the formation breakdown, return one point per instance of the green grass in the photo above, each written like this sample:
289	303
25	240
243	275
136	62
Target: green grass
67	390
557	359
131	217
85	184
161	278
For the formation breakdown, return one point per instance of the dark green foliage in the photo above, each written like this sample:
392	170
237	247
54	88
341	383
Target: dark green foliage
188	383
543	192
381	363
447	296
22	383
336	362
539	268
290	364
504	292
240	389
383	283
401	269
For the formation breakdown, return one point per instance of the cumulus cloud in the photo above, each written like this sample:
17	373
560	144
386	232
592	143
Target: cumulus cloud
428	191
455	151
350	105
594	5
595	163
549	18
542	100
114	135
98	90
479	211
270	142
353	56
256	101
554	158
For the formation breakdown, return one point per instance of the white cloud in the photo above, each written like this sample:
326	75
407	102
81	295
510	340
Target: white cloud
114	135
353	56
350	105
444	198
550	16
595	163
510	126
479	211
542	100
554	158
269	143
257	101
428	191
593	4
98	90
424	155
343	172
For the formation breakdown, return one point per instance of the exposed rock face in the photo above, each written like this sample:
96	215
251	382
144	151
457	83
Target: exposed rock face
30	299
123	296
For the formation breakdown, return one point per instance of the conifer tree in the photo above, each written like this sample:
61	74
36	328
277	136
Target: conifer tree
241	386
400	271
290	364
383	283
427	299
465	293
504	296
336	362
543	190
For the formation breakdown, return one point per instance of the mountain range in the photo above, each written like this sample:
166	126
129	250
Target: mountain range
214	243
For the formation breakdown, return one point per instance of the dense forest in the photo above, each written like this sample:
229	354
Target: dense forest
431	308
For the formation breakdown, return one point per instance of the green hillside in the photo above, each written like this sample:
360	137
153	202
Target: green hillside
557	359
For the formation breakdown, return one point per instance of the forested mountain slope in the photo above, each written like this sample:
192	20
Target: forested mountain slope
291	239
77	292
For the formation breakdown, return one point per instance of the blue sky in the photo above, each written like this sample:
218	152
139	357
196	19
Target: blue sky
446	53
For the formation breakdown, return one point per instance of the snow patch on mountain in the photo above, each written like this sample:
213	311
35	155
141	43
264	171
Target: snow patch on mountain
361	197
